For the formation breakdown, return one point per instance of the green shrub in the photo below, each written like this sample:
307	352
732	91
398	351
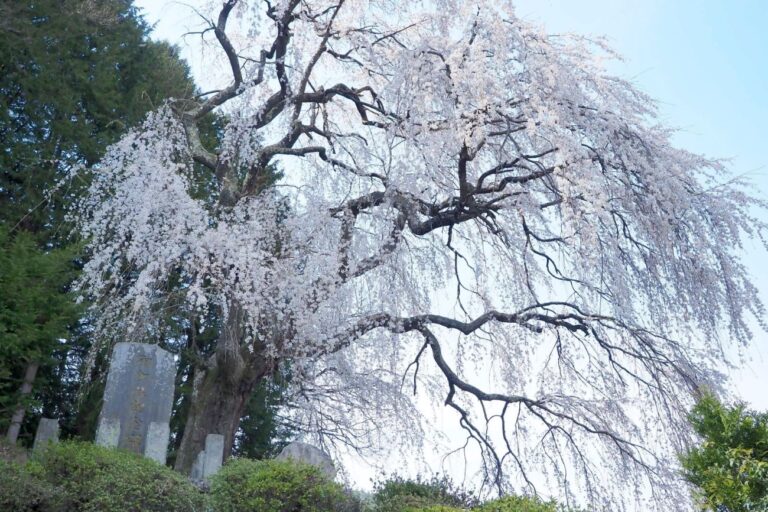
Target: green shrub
435	508
95	478
398	494
22	491
11	452
275	486
517	504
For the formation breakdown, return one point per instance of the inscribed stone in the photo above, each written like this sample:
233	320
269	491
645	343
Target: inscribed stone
139	392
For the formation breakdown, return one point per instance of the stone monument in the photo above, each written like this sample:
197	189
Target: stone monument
47	432
308	454
138	400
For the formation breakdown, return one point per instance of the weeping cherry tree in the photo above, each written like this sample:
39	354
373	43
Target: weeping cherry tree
468	208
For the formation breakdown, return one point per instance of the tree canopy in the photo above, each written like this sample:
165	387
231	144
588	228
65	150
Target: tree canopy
730	466
465	202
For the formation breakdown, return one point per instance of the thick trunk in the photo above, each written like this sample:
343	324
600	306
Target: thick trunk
220	392
216	408
18	415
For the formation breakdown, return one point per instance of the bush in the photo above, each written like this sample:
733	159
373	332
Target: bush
22	491
435	508
275	486
13	453
517	504
95	478
398	494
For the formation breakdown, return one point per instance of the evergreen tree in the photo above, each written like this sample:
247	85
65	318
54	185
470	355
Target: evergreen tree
74	75
35	313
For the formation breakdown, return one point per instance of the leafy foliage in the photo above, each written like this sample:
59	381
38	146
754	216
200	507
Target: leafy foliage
517	504
97	479
244	485
433	508
35	309
22	491
397	493
262	434
730	467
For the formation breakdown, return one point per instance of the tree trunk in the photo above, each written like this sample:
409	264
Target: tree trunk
18	415
216	408
220	392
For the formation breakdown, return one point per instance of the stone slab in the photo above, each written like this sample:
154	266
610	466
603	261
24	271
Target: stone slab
108	433
213	455
47	432
156	445
196	475
308	454
139	391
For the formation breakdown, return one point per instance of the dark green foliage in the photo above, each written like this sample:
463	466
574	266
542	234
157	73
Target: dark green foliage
730	467
434	508
74	75
93	478
245	485
261	434
22	491
518	504
35	309
398	494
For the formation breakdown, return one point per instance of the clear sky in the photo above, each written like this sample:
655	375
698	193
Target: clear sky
706	61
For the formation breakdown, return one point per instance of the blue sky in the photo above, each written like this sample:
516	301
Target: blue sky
706	61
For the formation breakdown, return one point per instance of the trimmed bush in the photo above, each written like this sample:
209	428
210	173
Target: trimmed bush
398	494
100	479
436	508
22	491
245	485
517	504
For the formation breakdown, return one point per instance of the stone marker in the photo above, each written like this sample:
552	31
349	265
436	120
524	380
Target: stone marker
156	446
47	432
139	393
303	452
196	474
208	461
108	432
213	455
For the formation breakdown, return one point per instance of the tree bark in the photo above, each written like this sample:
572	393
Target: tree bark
216	408
18	415
220	391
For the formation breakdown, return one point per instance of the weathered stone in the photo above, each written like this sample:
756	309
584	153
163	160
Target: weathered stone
47	432
208	461
303	452
213	455
156	446
108	433
139	392
196	475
